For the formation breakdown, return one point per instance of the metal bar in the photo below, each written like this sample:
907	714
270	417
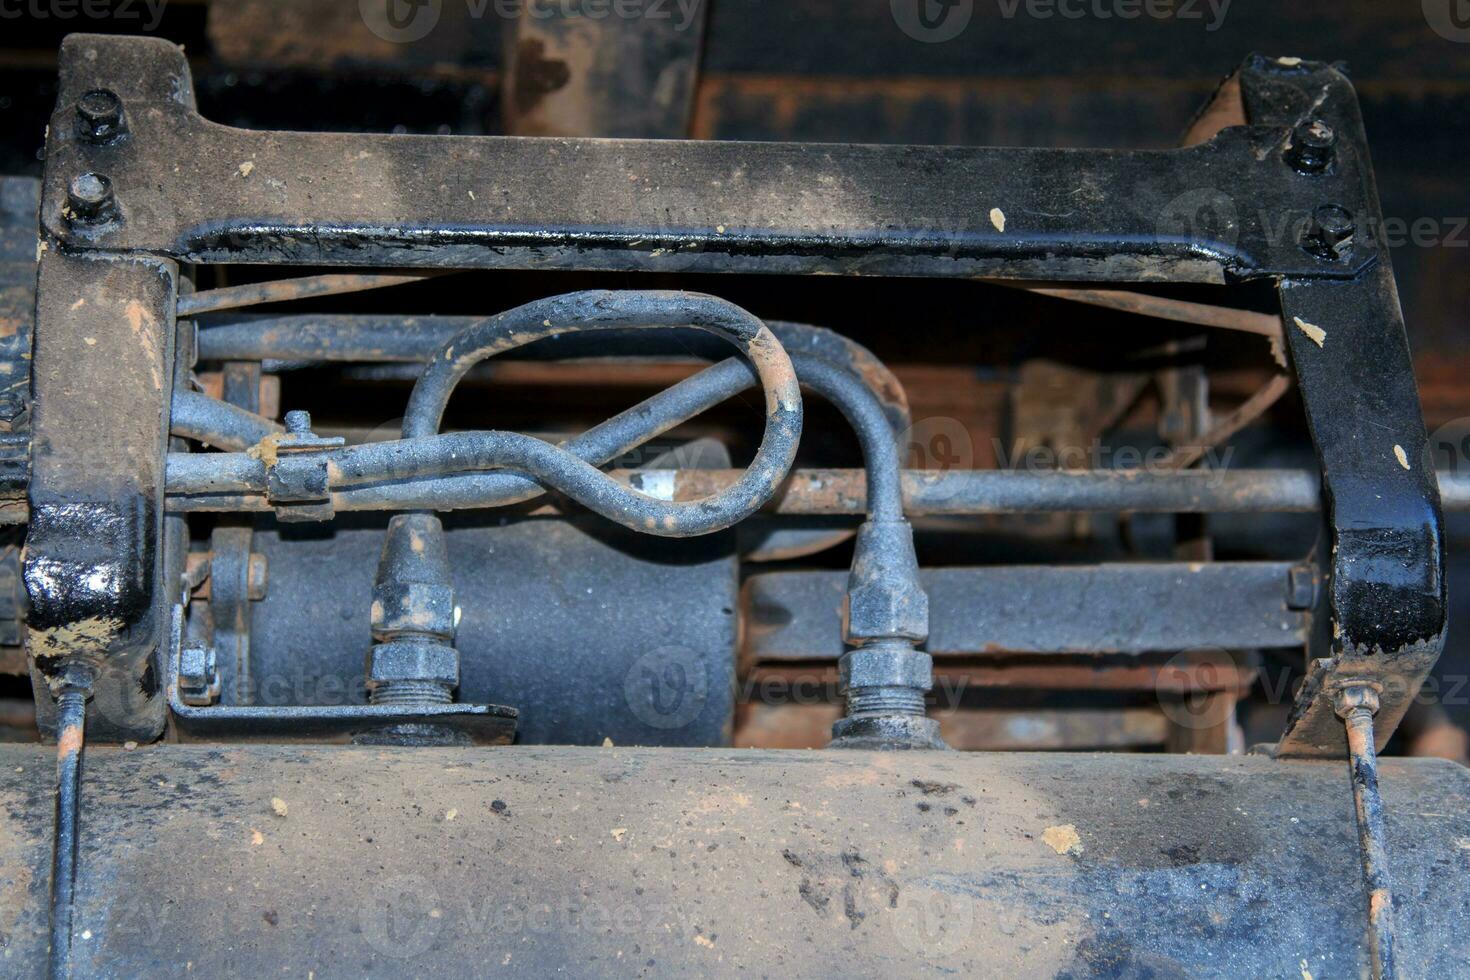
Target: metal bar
287	290
219	483
195	190
1372	840
71	719
1044	609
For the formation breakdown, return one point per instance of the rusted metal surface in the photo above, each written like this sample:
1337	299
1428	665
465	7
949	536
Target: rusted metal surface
1164	308
287	290
713	861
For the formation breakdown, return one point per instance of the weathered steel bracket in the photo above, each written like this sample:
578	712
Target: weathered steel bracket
1386	594
202	192
101	380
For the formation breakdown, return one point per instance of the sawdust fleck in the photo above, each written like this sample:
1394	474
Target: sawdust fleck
607	743
998	219
618	833
705	941
1401	456
256	837
279	805
1063	839
1306	974
246	167
1317	334
449	816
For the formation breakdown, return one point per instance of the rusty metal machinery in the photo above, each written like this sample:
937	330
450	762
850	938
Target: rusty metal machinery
559	646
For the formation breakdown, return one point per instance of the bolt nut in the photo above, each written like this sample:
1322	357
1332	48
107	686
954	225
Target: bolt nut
1329	234
1355	695
100	117
1311	148
887	733
413	660
886	665
298	422
89	199
198	675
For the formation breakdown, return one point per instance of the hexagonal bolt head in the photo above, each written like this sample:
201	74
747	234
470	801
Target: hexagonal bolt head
198	675
886	665
1311	147
413	661
1329	234
100	117
89	199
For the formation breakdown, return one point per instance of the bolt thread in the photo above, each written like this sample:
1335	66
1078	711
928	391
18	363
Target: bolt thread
884	701
410	694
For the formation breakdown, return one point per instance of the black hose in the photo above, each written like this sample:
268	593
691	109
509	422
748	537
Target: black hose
216	423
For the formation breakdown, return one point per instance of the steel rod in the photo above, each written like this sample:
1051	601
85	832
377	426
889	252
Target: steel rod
229	482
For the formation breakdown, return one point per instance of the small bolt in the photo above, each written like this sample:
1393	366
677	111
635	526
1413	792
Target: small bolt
90	200
1356	696
1310	150
100	117
298	422
1329	233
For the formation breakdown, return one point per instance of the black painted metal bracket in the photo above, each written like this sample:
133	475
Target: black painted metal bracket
1289	197
101	381
1384	550
479	724
201	192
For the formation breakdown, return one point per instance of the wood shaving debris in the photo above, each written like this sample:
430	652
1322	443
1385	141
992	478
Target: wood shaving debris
246	167
130	745
619	833
705	941
256	837
1063	839
607	743
278	805
1316	333
451	815
1401	456
998	219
